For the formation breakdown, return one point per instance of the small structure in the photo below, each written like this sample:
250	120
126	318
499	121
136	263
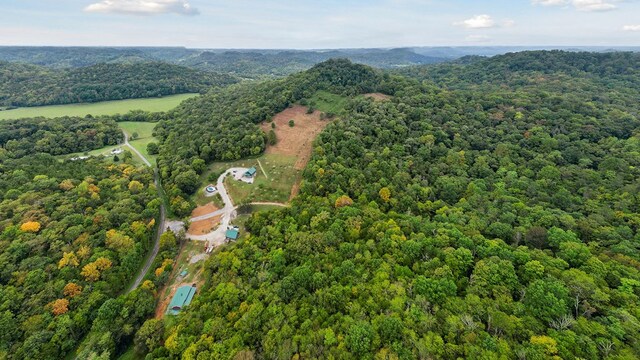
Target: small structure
251	172
79	158
232	234
181	298
183	273
210	190
116	151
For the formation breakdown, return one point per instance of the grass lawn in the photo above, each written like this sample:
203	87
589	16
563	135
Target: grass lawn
200	199
144	130
105	151
328	102
276	187
99	108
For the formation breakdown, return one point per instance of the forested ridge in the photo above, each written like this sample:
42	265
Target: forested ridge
31	85
453	221
57	136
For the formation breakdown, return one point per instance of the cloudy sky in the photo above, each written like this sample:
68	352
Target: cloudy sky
308	24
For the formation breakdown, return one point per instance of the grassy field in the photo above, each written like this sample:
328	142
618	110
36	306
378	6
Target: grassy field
328	102
275	187
105	151
144	130
99	108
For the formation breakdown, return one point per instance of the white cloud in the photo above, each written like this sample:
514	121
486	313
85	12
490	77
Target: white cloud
581	5
550	2
484	22
143	7
593	5
631	28
477	22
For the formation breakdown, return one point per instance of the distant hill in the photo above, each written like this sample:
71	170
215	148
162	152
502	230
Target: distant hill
246	63
32	85
63	57
258	63
533	69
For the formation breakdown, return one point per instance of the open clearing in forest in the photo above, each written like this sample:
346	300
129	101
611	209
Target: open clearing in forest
145	136
378	96
99	108
297	140
188	251
277	188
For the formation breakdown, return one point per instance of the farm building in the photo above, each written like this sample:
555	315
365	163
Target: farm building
232	234
181	298
251	172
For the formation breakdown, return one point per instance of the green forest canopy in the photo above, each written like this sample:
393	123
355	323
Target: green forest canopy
457	222
32	85
489	209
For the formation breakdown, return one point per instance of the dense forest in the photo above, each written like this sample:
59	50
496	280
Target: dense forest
31	85
81	56
57	136
452	221
72	235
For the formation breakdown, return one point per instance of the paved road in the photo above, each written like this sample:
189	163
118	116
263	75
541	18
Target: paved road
162	224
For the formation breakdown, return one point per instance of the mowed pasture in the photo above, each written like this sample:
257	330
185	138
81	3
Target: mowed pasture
100	108
274	187
145	136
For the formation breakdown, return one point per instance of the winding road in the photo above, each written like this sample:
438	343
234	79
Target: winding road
218	236
161	224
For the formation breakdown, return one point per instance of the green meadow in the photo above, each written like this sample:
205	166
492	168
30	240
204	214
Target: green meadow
144	131
100	108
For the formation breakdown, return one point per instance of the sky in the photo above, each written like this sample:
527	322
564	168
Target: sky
319	24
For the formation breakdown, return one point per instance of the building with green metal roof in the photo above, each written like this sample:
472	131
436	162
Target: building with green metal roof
251	172
232	234
181	298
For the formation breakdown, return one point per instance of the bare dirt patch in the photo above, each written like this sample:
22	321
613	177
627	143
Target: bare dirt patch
205	226
204	209
378	96
296	140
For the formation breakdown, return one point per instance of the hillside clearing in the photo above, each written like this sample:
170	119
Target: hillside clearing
297	140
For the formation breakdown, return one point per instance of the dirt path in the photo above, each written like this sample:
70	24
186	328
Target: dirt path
261	168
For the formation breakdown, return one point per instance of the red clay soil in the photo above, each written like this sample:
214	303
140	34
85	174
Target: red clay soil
203	226
204	209
296	140
378	96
